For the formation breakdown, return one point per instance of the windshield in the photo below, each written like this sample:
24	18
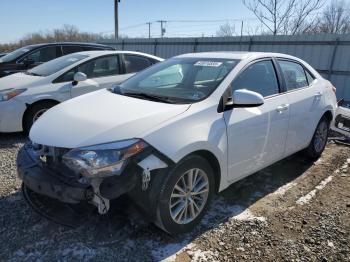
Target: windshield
15	54
56	65
180	80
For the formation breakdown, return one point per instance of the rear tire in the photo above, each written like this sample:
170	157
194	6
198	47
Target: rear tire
319	139
185	195
34	113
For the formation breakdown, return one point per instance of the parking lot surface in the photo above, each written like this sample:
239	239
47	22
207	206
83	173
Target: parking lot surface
294	210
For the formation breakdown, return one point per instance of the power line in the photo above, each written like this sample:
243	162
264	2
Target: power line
171	24
134	26
190	21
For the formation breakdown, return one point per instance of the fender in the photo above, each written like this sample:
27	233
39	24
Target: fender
328	108
42	97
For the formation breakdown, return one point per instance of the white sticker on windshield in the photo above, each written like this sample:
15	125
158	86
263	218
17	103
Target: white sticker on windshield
208	63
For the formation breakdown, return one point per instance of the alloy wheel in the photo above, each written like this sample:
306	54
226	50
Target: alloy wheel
189	196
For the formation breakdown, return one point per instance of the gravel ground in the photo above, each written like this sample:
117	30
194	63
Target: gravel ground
293	210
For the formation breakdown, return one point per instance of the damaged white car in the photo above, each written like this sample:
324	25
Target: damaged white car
175	134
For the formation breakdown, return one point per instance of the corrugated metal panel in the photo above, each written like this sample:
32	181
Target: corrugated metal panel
172	47
342	58
343	89
323	52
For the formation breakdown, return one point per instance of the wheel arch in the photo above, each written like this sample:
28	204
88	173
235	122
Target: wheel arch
213	162
29	106
328	114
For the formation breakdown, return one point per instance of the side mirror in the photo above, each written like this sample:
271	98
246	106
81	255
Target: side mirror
244	98
79	77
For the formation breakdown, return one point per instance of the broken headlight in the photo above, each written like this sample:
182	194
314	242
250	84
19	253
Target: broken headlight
103	160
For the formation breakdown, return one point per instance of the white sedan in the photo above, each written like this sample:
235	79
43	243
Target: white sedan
178	132
24	97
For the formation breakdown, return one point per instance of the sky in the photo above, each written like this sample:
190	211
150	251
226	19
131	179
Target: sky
19	17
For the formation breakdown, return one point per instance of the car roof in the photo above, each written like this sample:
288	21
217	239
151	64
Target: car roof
68	43
107	52
234	55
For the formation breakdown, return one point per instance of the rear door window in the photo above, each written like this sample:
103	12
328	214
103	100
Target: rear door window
134	63
259	77
294	75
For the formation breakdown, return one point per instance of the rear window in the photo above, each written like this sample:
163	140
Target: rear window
56	65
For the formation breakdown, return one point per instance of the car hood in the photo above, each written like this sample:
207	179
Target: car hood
19	80
100	117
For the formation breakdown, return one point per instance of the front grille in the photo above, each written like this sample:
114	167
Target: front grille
51	158
55	154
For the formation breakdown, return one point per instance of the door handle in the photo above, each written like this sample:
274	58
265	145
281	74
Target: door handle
282	108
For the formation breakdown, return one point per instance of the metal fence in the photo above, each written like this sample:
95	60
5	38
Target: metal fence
329	54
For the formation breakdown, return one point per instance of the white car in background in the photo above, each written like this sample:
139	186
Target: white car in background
24	97
178	132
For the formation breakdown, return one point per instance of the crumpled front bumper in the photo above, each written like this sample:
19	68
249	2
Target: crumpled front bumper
342	121
42	180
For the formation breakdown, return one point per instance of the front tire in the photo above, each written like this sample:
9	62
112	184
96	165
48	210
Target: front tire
319	140
34	113
185	195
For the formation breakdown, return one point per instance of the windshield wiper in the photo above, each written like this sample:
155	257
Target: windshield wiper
164	99
148	96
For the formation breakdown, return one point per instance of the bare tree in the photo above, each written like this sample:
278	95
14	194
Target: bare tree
335	19
302	17
283	16
226	30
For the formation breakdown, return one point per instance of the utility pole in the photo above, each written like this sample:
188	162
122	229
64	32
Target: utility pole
116	19
162	29
149	29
